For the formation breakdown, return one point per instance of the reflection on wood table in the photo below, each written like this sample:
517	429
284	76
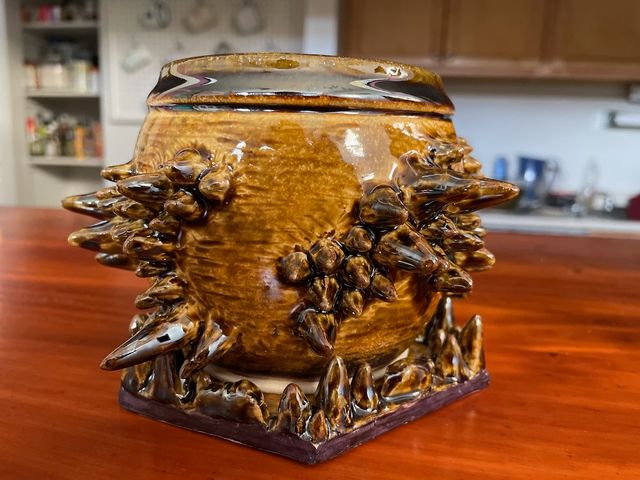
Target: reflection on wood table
562	326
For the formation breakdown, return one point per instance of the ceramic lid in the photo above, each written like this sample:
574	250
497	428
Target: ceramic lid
306	82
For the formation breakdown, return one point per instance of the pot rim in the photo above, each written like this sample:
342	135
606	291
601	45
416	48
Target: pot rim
299	81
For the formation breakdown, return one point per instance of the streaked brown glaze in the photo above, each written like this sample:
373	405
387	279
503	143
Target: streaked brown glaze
298	217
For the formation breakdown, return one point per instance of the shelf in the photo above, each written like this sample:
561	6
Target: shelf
52	93
59	161
79	25
558	224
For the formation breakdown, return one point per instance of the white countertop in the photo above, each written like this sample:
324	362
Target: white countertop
558	224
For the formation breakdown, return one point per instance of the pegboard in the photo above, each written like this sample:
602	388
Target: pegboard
129	43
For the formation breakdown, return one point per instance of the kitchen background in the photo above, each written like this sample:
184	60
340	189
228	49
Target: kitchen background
546	91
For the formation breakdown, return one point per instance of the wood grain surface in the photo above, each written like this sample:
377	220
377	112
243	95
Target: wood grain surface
562	326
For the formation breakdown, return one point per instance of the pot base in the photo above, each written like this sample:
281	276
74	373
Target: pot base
293	446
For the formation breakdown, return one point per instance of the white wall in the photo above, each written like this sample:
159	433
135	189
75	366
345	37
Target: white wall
566	121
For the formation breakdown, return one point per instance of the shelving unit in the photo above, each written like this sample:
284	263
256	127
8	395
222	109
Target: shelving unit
43	180
57	27
60	161
78	103
51	93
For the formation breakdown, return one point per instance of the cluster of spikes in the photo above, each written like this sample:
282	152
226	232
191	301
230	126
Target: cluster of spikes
421	222
141	219
447	355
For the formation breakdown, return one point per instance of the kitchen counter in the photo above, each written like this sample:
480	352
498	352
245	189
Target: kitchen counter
556	223
562	329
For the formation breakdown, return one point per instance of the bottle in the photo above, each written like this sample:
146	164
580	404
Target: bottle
97	135
52	145
500	169
89	141
79	133
35	145
587	191
94	80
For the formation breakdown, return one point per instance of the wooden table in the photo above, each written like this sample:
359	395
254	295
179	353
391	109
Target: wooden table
562	321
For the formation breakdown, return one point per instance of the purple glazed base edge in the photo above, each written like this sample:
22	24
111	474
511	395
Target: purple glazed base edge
289	445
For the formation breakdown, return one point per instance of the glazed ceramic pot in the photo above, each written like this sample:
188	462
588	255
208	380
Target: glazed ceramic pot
290	210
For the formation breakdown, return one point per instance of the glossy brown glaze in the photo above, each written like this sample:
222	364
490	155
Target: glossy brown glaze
562	350
244	188
244	221
301	82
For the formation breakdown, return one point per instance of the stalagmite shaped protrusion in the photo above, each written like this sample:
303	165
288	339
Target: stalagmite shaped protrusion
363	391
471	344
97	237
114	173
383	208
445	155
471	165
165	290
451	279
91	204
333	395
466	221
359	239
153	269
476	261
152	340
356	271
294	411
148	248
449	362
128	208
489	193
317	428
165	385
213	344
406	249
326	255
443	318
411	165
136	378
241	401
323	292
435	341
121	231
106	193
318	329
117	260
466	241
450	236
434	189
246	388
150	189
166	224
215	185
187	165
405	380
439	228
383	288
185	205
351	303
295	267
138	321
479	232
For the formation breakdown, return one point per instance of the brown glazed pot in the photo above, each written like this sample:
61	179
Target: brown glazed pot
299	161
304	222
296	141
